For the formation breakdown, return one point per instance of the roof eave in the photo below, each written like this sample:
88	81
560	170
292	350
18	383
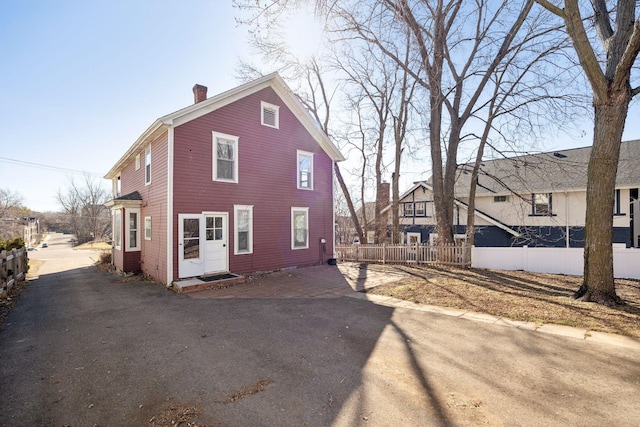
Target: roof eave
152	132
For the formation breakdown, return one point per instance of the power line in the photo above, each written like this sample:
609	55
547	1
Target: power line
48	167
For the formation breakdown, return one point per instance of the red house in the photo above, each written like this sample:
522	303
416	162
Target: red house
237	183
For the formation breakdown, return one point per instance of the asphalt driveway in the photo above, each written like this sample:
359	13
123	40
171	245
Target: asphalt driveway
85	348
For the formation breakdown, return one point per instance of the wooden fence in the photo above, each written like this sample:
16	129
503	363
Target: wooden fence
13	269
455	254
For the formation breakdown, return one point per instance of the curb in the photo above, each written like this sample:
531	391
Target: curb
547	328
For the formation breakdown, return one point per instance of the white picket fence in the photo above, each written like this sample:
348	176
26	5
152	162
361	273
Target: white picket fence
458	255
626	261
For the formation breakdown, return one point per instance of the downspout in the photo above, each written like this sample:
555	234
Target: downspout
566	213
170	136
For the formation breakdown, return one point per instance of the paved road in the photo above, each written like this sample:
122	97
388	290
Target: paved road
82	348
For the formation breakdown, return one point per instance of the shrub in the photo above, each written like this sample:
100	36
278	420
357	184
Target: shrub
7	245
105	258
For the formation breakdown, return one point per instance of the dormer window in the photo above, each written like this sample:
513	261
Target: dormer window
270	115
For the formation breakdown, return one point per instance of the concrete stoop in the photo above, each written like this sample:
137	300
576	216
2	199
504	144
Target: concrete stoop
195	284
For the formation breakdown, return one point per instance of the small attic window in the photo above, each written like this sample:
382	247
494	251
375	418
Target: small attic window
270	115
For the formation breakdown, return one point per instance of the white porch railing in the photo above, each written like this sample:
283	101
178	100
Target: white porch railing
455	254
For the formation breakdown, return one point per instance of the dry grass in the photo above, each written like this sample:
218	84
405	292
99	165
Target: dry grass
518	295
99	246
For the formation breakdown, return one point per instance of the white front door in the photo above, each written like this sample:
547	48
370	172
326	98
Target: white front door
190	237
216	250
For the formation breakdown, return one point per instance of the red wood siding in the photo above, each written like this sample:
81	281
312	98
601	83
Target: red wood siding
153	252
267	180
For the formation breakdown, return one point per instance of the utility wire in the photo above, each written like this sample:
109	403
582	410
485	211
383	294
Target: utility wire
48	167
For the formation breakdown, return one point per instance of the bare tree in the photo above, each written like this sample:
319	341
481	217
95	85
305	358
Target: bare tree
608	66
83	205
11	210
10	202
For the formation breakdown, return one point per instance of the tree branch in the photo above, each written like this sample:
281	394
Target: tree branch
551	8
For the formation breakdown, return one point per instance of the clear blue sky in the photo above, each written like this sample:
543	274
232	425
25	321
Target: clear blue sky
81	80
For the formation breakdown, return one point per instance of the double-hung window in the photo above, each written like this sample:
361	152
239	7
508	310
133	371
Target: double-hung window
133	230
541	204
420	209
117	229
243	216
299	228
147	165
305	170
225	157
408	210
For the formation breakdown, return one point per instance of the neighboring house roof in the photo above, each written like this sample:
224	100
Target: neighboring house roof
546	172
218	101
479	214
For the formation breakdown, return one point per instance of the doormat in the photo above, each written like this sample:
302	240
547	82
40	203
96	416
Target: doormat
218	277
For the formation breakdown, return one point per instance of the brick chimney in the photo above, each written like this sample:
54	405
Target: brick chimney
385	192
199	93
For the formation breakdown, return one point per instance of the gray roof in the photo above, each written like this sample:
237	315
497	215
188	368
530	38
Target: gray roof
546	172
131	196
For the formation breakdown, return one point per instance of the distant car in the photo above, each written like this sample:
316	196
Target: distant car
45	245
31	249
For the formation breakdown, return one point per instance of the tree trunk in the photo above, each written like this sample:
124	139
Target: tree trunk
598	283
347	196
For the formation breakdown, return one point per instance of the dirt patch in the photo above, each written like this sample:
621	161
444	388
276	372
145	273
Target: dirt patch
247	391
177	414
518	295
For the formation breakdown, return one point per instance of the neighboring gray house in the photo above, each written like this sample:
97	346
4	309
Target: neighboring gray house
535	200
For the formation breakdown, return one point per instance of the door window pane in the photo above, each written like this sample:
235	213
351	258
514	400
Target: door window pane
191	238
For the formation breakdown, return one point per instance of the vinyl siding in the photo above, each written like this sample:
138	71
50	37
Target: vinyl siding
266	179
152	259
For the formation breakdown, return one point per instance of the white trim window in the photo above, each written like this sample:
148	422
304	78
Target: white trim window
147	165
299	228
243	229
225	157
147	228
138	161
305	170
541	204
117	229
269	115
132	225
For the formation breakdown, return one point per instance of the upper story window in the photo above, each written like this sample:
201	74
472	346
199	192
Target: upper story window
618	204
225	157
117	187
420	209
305	170
541	204
147	165
270	115
500	199
408	209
